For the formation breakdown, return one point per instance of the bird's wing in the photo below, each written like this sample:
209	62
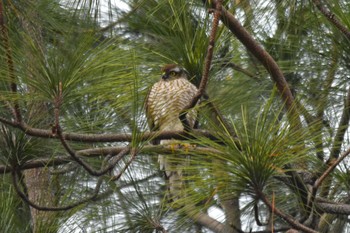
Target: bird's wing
149	112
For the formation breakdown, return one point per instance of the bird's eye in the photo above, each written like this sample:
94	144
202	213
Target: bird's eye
172	73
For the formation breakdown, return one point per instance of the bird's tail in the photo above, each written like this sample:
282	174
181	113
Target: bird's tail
174	173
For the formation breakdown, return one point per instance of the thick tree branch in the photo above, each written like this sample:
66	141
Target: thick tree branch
206	221
341	209
107	137
264	57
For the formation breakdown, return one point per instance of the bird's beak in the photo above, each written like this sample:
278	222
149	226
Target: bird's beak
165	76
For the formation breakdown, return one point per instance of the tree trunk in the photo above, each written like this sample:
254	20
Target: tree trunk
39	191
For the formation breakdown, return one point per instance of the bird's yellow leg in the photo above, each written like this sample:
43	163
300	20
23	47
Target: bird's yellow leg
173	146
187	146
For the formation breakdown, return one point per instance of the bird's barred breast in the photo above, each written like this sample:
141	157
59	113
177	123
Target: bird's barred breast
167	99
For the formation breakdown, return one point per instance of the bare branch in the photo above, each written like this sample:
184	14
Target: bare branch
206	68
262	55
107	137
343	209
133	155
206	221
208	58
38	163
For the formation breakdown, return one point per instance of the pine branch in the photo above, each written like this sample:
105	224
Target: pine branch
264	57
116	154
107	137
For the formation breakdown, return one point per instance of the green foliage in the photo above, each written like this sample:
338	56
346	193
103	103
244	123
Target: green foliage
14	215
63	61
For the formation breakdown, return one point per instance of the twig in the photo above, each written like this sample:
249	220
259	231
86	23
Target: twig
332	18
37	163
294	223
206	69
85	165
133	155
256	216
240	69
208	58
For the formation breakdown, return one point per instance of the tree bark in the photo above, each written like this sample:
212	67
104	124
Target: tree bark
38	188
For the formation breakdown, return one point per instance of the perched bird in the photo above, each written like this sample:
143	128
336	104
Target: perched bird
166	100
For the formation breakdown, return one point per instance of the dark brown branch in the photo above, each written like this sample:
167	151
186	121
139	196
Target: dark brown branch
206	68
122	137
293	222
53	208
133	155
37	163
150	149
256	215
332	18
263	56
208	58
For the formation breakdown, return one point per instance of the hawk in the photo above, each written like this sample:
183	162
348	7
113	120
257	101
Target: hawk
167	98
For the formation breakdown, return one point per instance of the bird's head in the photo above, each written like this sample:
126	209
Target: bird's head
173	71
